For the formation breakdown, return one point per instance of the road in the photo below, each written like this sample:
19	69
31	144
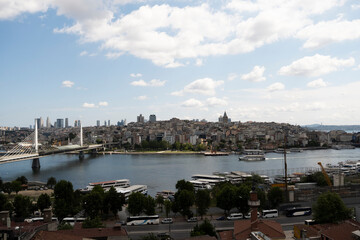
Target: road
181	229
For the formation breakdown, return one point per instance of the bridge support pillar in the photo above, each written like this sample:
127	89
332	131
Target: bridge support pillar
81	155
36	163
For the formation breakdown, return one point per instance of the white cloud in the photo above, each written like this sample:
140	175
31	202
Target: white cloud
355	6
213	101
256	75
327	32
113	55
141	98
276	87
316	65
135	75
317	83
199	62
205	86
9	9
315	106
192	103
104	104
67	84
177	93
89	105
151	83
232	76
84	53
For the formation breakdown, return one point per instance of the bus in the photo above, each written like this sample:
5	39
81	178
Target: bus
272	213
142	220
298	211
72	220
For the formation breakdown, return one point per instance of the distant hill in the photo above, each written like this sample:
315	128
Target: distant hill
346	128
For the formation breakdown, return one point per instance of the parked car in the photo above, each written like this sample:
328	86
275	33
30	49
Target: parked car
164	236
235	216
221	218
192	219
167	221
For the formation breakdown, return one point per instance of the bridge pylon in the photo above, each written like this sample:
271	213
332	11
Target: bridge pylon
36	161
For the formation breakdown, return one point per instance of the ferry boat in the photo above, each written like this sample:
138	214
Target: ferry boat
252	155
210	180
166	194
107	185
131	189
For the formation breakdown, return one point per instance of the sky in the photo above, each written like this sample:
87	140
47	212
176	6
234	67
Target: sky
288	61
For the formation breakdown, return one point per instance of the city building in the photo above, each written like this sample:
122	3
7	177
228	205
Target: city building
39	122
152	118
59	123
66	122
105	123
224	119
140	119
98	123
48	124
108	123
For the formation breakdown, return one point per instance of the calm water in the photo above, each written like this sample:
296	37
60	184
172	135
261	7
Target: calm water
160	172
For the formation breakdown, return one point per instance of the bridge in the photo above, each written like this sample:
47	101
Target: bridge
29	149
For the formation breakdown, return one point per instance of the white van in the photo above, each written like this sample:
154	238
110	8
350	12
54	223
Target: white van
235	216
272	213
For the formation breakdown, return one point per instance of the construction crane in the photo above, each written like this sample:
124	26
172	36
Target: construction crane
325	175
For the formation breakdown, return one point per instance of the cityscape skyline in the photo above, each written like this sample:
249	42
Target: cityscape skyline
294	62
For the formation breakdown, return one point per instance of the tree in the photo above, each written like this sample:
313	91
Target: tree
226	198
150	236
7	188
22	205
149	206
114	200
3	201
184	200
242	196
43	201
206	228
329	208
184	185
92	223
167	205
16	186
93	204
22	180
202	201
51	182
317	177
275	196
64	199
160	201
135	203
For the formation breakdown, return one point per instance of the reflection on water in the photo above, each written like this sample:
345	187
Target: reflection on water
160	172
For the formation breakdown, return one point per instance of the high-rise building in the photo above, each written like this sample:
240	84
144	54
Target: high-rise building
39	122
60	123
105	123
66	122
152	118
140	119
48	124
98	123
77	123
108	123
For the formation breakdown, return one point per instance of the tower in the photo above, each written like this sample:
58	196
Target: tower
254	203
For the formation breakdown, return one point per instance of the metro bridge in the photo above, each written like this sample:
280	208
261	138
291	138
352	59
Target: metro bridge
29	149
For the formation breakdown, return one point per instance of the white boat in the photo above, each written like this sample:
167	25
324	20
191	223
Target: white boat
211	180
132	189
201	185
107	184
252	155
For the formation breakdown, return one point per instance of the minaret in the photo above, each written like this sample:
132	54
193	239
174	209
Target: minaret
254	203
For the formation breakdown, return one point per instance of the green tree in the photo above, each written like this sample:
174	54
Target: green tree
275	196
92	223
184	200
329	208
167	204
160	201
7	188
206	228
114	201
202	201
93	204
184	185
317	177
241	198
135	203
16	186
3	201
51	182
22	180
43	201
149	205
22	205
226	198
64	199
150	236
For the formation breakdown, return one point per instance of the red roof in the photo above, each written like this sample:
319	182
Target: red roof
272	229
